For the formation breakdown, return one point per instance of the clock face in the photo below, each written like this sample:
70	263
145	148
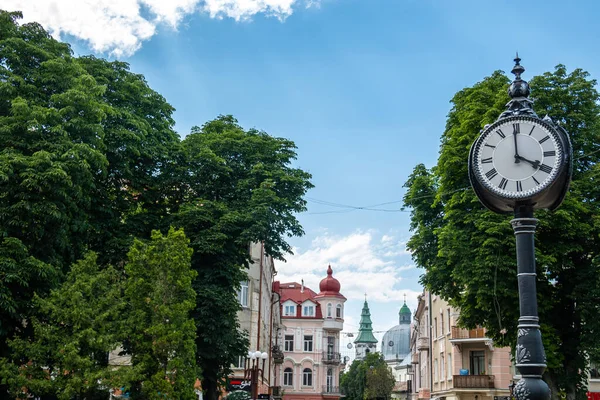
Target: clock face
517	157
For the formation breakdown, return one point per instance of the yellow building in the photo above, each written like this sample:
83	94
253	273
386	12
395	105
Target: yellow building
451	363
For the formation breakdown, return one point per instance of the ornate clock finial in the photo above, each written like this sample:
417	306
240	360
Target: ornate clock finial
519	87
519	91
518	68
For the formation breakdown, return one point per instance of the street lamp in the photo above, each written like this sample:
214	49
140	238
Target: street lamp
252	370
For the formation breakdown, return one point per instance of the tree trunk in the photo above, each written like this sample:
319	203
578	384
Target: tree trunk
210	388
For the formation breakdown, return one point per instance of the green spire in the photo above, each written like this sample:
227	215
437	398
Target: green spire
365	331
405	310
405	314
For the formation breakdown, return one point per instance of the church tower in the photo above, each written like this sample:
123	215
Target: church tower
365	342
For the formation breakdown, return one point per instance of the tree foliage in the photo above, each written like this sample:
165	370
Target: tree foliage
240	188
77	325
468	252
369	378
89	161
159	332
84	145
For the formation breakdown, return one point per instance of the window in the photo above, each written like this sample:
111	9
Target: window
329	310
243	294
289	310
288	377
308	311
594	371
449	322
435	332
307	377
330	344
288	343
308	343
338	311
435	370
449	366
442	366
477	362
329	380
240	362
441	323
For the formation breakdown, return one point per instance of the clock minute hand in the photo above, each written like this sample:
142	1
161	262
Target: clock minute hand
517	156
534	164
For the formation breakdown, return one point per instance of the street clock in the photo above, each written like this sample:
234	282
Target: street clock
521	159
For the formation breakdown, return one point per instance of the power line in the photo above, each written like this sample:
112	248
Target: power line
346	208
349	208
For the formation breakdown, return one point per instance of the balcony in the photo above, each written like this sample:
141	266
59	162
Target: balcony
414	358
332	390
423	343
330	357
277	355
473	381
333	324
460	333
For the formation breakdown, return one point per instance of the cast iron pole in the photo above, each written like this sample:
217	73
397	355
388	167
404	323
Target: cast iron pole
530	355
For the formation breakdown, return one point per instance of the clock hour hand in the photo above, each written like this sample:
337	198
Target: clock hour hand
534	164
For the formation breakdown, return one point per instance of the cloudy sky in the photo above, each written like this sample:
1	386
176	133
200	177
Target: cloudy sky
361	86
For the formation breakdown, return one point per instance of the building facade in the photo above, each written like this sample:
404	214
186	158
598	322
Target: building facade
259	316
311	340
454	363
365	342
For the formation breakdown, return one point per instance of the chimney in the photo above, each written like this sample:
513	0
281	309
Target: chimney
302	287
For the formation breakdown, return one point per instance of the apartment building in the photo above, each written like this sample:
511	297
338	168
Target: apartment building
311	340
451	363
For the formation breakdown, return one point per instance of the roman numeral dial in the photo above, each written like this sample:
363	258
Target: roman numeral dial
517	157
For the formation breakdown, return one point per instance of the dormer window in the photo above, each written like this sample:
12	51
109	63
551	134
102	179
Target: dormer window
308	310
289	310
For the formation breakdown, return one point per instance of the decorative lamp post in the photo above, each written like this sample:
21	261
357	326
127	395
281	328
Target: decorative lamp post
518	164
253	371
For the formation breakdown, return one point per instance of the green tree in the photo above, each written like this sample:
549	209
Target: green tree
380	383
50	152
159	330
369	378
85	149
78	324
132	197
469	253
237	187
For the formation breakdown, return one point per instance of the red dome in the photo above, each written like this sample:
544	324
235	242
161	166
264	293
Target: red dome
329	285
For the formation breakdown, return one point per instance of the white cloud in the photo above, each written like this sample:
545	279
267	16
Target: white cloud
360	263
119	27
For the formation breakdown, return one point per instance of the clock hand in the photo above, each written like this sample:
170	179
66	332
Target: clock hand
534	164
517	156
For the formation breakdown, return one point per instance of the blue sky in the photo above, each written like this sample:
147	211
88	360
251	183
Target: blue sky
361	86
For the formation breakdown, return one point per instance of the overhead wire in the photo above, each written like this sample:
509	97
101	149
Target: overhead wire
346	208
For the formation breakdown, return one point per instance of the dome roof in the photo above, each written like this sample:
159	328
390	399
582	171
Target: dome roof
396	343
404	310
329	286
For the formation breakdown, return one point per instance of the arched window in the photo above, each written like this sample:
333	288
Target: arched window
338	311
329	310
288	377
307	377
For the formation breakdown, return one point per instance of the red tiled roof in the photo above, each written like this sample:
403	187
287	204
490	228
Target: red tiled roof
293	291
